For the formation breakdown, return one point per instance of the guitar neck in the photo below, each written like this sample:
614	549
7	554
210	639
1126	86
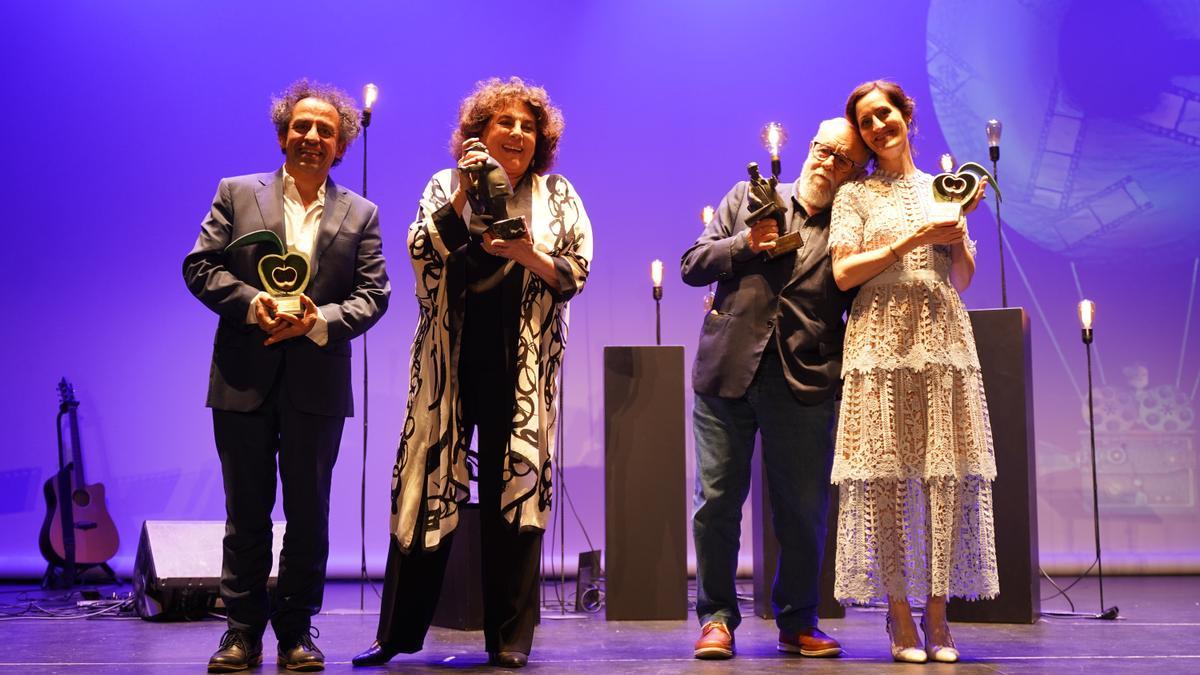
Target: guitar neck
76	449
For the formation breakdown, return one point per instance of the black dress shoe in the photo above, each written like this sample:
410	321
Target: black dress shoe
508	659
375	655
301	654
236	652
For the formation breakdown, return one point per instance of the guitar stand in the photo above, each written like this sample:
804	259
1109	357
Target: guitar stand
65	577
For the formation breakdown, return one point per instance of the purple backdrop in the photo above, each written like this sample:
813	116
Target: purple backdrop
133	111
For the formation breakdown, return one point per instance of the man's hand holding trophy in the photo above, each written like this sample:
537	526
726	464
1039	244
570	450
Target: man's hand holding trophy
768	212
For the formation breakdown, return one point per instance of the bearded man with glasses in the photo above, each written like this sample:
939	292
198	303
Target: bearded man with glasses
769	363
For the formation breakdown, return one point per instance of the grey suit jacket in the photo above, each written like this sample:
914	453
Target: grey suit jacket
792	297
348	283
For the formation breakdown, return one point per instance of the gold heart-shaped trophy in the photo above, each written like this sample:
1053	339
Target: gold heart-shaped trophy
951	191
283	274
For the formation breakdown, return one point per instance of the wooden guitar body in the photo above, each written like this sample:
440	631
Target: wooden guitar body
96	538
90	537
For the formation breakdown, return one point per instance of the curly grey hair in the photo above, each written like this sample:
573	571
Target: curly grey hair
348	113
493	94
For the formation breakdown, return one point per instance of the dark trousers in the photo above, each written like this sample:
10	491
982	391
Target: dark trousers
797	450
306	446
510	558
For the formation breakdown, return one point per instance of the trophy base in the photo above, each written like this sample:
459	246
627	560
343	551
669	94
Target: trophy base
785	245
289	304
510	228
945	212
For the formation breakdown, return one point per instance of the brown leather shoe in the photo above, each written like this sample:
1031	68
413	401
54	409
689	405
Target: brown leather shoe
716	642
809	642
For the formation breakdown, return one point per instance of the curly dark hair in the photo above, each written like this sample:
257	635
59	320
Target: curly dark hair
490	96
348	113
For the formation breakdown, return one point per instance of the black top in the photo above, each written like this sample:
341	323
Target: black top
492	287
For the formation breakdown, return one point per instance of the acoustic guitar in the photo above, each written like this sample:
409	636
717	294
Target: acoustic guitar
91	538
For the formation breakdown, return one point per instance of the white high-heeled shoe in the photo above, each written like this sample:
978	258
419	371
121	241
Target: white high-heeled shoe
946	653
904	654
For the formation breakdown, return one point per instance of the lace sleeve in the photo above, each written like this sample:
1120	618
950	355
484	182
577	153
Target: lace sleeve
972	247
846	224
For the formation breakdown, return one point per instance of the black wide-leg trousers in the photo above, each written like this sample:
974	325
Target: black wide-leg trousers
510	563
253	446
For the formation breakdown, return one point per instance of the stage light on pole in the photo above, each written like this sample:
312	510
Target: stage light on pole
370	95
1087	318
656	272
993	130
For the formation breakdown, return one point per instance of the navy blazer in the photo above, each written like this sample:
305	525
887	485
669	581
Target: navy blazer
792	297
348	283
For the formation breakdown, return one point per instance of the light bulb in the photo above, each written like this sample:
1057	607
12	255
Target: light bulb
656	273
774	138
370	94
947	162
993	129
707	214
1087	314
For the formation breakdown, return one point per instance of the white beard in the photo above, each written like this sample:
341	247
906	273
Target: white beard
815	194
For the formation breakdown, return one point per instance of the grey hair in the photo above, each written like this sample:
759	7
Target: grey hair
348	113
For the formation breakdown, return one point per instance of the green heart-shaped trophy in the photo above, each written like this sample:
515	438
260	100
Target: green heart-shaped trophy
284	274
951	191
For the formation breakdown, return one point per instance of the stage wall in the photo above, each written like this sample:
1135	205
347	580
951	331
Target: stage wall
124	115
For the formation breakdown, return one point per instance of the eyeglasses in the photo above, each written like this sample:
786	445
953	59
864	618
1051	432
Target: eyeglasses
823	152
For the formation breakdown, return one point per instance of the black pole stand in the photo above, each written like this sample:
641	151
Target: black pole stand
1109	612
994	152
658	315
362	506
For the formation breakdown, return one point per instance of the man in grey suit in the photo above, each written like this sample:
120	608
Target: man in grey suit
769	362
279	386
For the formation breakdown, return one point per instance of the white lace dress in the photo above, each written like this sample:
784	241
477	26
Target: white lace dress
914	460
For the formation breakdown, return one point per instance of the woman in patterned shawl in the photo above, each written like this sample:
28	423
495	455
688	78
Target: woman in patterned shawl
485	358
913	459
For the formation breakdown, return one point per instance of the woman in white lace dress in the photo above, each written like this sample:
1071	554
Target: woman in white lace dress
914	460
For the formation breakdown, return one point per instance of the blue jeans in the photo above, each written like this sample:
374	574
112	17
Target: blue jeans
797	448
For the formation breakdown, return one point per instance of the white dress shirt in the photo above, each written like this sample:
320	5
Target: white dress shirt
300	224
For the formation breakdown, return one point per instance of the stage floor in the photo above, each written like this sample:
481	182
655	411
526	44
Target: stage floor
1160	621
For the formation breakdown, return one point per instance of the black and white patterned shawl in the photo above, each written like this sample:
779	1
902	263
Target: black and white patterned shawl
432	457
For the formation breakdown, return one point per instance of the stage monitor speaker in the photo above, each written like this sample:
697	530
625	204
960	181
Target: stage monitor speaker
589	596
177	571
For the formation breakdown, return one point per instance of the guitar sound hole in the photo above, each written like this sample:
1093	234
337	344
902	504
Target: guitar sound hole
81	498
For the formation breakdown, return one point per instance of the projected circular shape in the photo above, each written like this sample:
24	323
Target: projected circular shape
1101	112
1165	408
1114	410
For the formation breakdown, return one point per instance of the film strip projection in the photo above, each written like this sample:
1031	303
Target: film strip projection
1100	163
